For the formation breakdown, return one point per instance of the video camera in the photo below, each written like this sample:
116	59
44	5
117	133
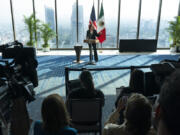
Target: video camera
18	76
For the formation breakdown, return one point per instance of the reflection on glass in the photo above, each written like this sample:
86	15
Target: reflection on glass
149	14
128	20
45	12
111	18
169	11
66	10
19	13
6	32
84	11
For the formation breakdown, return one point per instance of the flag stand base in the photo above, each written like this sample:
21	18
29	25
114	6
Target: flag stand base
100	51
78	62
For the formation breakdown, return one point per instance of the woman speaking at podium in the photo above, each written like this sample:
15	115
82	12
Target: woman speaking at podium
92	34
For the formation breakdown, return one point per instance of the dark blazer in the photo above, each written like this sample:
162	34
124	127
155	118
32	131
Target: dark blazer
82	93
93	35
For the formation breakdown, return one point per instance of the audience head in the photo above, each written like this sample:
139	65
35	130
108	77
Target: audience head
138	114
86	80
136	82
168	111
54	113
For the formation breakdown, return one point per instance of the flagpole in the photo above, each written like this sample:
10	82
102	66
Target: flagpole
101	45
100	51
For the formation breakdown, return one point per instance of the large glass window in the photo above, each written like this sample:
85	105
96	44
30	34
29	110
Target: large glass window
111	18
6	32
128	19
84	11
45	11
169	11
67	33
19	13
149	14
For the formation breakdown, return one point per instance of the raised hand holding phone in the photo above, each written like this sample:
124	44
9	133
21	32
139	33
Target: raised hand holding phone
122	103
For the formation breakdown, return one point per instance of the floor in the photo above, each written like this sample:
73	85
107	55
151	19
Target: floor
34	107
51	74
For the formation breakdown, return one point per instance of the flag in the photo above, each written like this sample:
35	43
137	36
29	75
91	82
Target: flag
93	18
101	25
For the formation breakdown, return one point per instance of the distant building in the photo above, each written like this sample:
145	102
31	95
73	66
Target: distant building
74	24
49	17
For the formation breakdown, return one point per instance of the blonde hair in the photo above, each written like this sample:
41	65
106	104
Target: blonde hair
138	114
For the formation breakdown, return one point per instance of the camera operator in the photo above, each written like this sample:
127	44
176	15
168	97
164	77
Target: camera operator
17	82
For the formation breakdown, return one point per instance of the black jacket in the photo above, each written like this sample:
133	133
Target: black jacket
82	93
93	35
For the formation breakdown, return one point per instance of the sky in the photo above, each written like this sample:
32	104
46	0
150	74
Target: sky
129	8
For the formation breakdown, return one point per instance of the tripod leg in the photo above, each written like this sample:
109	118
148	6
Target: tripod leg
1	129
4	130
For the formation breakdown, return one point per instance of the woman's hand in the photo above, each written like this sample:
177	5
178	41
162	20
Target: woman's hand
121	104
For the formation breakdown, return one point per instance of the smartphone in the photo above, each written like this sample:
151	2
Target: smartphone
152	99
124	99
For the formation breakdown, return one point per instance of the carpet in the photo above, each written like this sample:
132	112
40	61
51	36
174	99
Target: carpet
51	76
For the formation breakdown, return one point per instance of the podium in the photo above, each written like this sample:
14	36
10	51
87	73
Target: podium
78	49
90	42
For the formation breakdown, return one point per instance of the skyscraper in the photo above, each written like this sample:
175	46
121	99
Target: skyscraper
49	17
81	23
74	24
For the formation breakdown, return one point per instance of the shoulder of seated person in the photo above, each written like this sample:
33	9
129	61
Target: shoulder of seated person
152	131
115	128
99	91
70	129
75	92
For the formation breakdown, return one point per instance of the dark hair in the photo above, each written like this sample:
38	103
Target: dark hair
136	82
54	113
138	114
87	80
90	25
169	101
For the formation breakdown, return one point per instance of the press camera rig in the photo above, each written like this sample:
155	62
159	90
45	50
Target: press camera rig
18	77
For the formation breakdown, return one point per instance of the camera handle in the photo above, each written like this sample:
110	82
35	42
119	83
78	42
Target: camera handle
15	43
1	129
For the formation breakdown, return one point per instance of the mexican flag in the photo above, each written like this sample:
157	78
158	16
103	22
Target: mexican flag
101	25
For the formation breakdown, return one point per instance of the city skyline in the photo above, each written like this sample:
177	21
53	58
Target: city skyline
128	33
71	2
67	23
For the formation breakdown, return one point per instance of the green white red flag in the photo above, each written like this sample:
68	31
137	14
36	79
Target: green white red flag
101	26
